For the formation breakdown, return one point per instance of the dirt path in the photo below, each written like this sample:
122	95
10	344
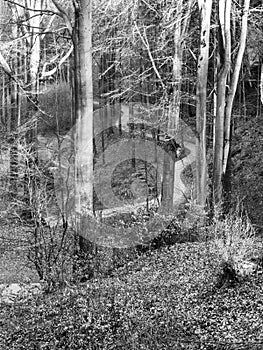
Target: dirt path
118	153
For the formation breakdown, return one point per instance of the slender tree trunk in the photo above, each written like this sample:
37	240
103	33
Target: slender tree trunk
2	26
84	113
168	184
225	98
102	111
13	126
224	28
32	62
234	81
183	14
201	166
173	113
261	83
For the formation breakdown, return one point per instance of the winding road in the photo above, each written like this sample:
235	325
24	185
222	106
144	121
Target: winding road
116	154
181	191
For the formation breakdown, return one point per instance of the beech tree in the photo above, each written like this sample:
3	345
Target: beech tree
180	14
84	106
226	89
201	96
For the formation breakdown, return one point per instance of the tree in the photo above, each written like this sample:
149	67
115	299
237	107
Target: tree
201	96
225	95
173	24
83	103
234	82
224	10
84	107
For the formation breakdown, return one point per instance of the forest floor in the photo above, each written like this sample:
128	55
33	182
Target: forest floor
165	299
14	265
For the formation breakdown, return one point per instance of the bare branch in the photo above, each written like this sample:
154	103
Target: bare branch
48	26
63	14
5	65
32	9
147	45
53	71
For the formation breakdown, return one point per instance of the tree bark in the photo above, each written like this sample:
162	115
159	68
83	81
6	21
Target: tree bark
173	113
83	103
234	81
183	14
84	111
201	166
224	27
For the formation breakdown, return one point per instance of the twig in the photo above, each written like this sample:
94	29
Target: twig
147	45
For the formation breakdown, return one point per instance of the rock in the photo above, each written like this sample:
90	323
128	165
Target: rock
10	292
245	268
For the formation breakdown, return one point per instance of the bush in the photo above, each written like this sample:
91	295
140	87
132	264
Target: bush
235	245
31	200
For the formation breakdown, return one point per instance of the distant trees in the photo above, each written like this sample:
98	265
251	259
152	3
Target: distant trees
161	78
124	53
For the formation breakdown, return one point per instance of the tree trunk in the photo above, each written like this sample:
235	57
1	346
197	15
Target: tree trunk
168	184
32	62
261	83
234	81
224	33
183	14
225	99
201	166
84	112
173	113
83	103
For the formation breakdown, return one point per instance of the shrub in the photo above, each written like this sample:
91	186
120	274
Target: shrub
31	200
235	245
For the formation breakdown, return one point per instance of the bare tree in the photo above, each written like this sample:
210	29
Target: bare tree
84	108
226	89
234	82
224	9
201	96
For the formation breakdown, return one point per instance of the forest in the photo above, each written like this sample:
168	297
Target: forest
131	192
